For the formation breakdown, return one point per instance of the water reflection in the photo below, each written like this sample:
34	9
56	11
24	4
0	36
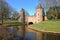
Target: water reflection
16	33
28	35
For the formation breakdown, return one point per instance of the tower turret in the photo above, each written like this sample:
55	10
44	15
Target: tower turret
39	13
22	15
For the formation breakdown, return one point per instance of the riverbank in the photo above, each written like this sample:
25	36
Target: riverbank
47	26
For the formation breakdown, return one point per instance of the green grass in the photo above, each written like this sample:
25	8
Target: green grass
7	23
51	25
13	24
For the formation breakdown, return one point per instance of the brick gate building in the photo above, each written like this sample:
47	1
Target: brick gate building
38	17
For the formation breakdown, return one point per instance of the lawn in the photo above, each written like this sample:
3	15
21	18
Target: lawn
15	23
12	23
50	26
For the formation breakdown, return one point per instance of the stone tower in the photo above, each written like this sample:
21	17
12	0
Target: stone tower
37	18
22	15
39	14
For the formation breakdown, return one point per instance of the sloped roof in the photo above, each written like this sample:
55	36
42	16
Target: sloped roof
22	9
39	6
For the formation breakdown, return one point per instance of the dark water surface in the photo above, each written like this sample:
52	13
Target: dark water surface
28	35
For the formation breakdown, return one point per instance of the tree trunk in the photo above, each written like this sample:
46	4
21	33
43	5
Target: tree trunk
2	18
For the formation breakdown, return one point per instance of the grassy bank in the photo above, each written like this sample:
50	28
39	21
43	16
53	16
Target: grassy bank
51	25
13	24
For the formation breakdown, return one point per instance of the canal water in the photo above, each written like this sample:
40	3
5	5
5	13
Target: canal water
28	35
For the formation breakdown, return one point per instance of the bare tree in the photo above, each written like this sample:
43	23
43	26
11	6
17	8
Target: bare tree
15	15
58	2
51	3
4	9
43	3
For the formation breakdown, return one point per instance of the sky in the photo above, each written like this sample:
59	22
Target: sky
28	5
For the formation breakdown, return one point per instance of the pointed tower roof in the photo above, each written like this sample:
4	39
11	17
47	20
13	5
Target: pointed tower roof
22	9
39	6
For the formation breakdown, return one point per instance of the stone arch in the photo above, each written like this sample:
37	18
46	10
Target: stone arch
30	23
